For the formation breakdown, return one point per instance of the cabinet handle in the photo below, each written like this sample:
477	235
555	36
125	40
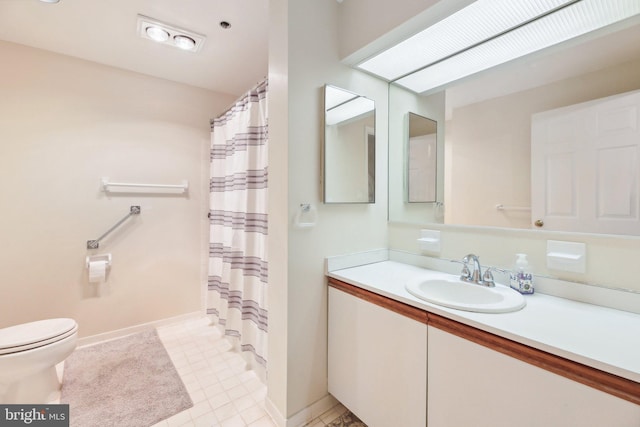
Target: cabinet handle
539	223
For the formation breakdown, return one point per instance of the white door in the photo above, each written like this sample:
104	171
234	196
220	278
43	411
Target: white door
584	166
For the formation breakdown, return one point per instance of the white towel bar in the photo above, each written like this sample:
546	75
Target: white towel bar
106	184
502	207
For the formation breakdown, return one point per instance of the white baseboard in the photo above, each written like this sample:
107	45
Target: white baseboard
274	413
119	333
302	417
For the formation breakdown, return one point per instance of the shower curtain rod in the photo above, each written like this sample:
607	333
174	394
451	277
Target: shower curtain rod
230	106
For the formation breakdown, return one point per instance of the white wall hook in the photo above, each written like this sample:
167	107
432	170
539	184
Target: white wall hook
306	217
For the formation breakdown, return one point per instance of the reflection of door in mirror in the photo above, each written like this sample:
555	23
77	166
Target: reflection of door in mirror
349	147
489	142
421	159
584	166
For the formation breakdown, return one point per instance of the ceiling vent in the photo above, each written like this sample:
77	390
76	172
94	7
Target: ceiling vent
157	31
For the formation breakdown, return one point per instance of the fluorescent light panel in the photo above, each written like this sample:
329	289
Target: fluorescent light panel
573	21
473	24
349	110
334	96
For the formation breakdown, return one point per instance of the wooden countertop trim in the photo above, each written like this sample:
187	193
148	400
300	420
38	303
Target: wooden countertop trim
621	387
612	384
382	301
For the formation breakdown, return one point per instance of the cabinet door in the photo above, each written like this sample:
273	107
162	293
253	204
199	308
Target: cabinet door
377	362
471	385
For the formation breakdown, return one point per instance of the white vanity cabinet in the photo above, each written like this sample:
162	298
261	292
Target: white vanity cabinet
395	365
377	360
472	385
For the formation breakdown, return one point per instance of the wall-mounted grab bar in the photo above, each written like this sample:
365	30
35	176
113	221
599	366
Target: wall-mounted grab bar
106	184
95	244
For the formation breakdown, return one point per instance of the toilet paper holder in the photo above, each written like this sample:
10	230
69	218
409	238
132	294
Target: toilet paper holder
99	257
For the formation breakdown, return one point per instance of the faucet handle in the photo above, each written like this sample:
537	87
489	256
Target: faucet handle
487	277
465	273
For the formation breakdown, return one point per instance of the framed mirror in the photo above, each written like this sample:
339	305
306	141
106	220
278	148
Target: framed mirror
349	147
416	186
422	159
488	140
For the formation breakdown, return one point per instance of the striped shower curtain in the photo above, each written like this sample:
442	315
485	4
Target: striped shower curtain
237	283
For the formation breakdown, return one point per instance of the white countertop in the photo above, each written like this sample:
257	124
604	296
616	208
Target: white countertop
600	337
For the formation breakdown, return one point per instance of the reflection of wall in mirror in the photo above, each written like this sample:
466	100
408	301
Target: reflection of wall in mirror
489	145
347	177
402	105
422	168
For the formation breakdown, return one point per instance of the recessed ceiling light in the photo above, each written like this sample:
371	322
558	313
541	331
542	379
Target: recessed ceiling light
225	24
152	29
50	1
184	42
157	34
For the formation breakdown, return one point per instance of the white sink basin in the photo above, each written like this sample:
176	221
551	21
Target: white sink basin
454	293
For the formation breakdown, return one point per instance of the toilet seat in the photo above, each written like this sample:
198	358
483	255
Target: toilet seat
35	334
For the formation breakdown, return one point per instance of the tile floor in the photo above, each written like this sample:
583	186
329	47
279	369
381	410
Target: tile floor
224	393
338	416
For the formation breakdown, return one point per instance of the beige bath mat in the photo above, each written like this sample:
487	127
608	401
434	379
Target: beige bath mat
129	381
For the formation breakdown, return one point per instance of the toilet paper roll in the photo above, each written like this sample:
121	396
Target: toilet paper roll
97	271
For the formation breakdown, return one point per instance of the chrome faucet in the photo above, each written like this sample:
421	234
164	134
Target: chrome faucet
475	275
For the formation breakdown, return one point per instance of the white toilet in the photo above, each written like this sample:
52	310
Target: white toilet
29	354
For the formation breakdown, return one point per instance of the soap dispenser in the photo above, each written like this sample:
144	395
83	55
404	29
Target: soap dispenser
521	278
